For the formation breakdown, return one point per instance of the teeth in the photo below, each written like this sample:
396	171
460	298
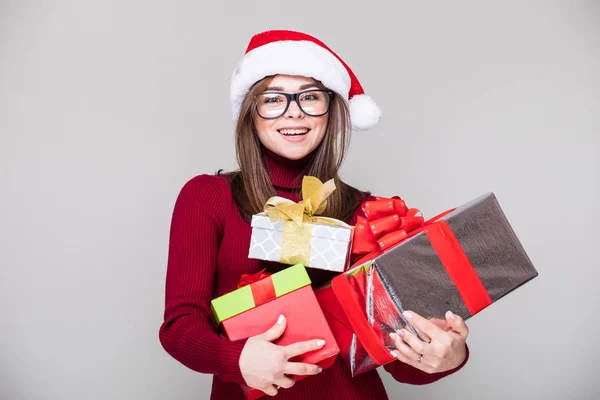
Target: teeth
293	131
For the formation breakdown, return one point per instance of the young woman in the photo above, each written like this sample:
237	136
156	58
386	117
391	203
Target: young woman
295	103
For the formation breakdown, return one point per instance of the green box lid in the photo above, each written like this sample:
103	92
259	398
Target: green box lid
240	300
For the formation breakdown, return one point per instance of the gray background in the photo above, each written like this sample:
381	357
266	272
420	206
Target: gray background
107	108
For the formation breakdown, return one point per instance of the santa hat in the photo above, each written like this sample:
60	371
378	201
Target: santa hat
295	53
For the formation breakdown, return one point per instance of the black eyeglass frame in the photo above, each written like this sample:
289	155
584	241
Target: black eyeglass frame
296	97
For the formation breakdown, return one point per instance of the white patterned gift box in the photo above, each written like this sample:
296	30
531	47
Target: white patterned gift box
329	247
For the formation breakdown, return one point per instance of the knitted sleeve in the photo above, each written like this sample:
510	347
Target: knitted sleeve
187	332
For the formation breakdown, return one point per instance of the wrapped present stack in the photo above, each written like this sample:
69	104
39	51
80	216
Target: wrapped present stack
462	260
261	298
290	233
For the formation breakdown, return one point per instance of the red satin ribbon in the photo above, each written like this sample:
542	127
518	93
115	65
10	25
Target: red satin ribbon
387	222
349	302
261	285
458	267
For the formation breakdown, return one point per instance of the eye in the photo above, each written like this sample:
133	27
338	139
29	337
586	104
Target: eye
312	96
272	99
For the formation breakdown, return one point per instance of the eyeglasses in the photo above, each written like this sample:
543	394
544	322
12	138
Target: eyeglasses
271	105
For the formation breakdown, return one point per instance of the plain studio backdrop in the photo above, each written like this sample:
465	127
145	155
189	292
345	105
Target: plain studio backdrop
107	108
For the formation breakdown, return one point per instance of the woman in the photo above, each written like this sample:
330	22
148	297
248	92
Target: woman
294	102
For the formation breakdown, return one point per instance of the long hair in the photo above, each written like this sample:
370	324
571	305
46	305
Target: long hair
251	185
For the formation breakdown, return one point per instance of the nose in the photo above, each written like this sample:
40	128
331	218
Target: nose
294	110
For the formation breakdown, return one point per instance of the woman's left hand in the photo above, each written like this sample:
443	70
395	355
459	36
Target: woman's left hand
444	348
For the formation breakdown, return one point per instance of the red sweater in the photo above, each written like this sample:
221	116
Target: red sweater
208	252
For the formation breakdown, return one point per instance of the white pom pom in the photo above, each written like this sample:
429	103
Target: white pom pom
364	112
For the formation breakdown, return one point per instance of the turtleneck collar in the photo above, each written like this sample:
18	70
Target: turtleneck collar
285	173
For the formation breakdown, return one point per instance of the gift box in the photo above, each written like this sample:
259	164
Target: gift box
291	233
462	260
261	298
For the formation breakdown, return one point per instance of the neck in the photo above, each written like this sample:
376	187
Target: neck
285	173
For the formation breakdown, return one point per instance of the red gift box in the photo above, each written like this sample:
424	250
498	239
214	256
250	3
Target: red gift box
287	292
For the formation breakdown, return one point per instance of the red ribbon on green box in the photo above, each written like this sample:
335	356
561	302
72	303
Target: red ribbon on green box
257	289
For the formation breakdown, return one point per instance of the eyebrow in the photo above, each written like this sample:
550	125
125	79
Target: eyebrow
280	89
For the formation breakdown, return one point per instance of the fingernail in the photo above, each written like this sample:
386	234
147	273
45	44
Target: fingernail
280	319
393	335
394	353
320	343
319	370
408	314
451	314
401	333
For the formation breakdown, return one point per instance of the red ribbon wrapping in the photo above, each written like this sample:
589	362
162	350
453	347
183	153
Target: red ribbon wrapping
458	267
388	222
261	285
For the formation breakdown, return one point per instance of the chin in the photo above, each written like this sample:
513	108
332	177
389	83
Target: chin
294	155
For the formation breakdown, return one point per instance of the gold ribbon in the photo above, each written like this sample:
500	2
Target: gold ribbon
298	218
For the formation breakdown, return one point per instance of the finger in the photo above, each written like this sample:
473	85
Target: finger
422	336
441	323
406	360
295	349
401	357
275	331
270	390
419	346
404	349
457	324
285	382
407	356
296	368
423	325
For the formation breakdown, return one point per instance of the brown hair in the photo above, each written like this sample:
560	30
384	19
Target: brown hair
251	185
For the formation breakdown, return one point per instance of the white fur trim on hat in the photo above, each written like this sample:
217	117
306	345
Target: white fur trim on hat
303	58
364	112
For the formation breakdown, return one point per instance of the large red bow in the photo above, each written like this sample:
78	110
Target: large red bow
387	221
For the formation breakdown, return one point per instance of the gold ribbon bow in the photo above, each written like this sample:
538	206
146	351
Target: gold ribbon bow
298	218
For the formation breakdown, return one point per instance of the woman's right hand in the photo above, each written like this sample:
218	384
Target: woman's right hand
265	366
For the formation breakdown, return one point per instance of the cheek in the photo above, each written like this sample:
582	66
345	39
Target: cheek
263	127
258	124
322	127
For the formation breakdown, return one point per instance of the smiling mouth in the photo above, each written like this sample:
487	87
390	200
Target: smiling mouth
293	132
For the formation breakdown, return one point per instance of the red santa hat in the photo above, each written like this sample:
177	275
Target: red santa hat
295	53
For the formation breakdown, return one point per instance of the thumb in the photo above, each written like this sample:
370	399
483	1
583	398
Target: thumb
457	324
275	331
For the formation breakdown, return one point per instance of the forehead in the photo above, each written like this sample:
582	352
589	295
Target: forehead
291	82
